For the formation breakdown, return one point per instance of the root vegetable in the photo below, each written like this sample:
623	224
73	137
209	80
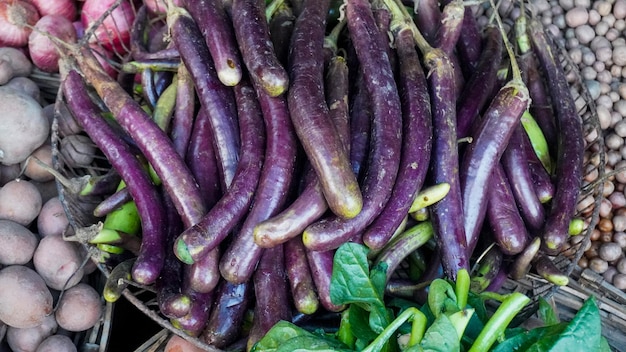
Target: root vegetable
79	308
24	126
583	263
619	222
52	219
178	344
28	339
610	251
619	281
16	17
20	201
43	51
57	343
609	274
598	265
25	300
65	8
58	262
18	243
26	86
13	63
33	168
114	32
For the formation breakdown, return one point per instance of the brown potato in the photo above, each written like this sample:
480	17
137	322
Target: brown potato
25	301
79	309
25	127
32	165
18	243
26	86
15	63
58	261
178	344
28	339
52	219
20	201
57	343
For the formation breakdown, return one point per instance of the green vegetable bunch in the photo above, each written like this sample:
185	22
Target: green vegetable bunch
453	318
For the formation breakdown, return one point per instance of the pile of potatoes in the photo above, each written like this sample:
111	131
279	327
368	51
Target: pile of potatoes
45	297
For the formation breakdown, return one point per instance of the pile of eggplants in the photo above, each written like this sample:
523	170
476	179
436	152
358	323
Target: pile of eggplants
260	137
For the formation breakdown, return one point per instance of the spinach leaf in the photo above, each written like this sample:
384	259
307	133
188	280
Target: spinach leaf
352	282
311	343
524	340
442	298
279	334
546	312
345	334
359	322
478	303
381	316
584	331
441	336
414	348
604	346
378	278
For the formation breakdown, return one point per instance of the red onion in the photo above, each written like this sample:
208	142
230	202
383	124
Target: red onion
105	58
14	16
65	8
159	6
43	51
80	29
114	32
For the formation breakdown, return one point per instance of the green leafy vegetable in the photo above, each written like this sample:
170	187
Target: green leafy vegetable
582	333
354	283
453	318
442	298
310	343
285	336
546	312
345	333
359	322
524	341
441	336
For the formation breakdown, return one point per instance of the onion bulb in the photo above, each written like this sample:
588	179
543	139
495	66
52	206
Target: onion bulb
105	58
159	6
80	29
65	8
15	17
114	32
43	51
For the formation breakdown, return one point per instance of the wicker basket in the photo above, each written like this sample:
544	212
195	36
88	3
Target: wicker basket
570	297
